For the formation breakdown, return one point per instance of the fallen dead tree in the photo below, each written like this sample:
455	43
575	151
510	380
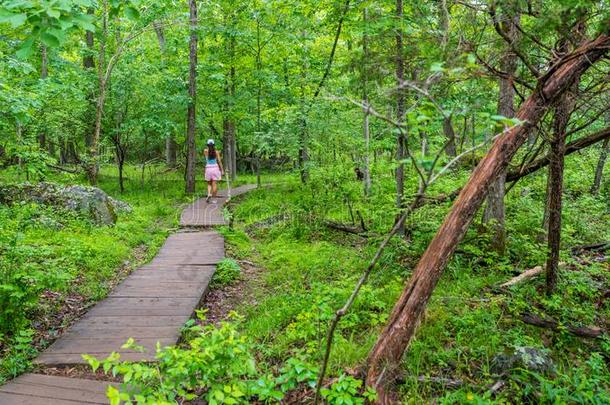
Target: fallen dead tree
549	323
347	228
386	355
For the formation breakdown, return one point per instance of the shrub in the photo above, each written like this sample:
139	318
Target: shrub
227	271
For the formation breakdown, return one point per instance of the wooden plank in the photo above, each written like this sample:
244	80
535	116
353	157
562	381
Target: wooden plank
26	399
77	358
42	389
155	331
176	311
136	321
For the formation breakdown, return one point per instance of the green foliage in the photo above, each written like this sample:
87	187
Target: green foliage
345	391
217	365
227	272
17	359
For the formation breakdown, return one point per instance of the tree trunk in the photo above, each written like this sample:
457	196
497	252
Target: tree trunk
603	156
228	122
450	149
494	212
599	170
88	64
563	110
92	166
385	356
400	112
191	157
44	72
365	101
160	35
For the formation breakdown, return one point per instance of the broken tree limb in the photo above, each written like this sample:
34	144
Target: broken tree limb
346	228
384	359
571	147
594	247
549	323
533	272
533	167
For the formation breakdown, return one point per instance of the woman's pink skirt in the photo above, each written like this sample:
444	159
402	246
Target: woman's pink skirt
212	172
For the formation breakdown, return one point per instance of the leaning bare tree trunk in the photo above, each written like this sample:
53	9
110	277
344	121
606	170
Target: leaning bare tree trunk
494	212
191	153
563	110
386	354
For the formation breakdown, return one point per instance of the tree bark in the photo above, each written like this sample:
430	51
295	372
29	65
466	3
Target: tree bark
365	101
450	149
400	112
191	157
160	35
603	156
228	123
386	354
89	64
599	170
44	72
495	211
563	110
92	165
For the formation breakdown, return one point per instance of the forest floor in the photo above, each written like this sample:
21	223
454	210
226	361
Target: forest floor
294	272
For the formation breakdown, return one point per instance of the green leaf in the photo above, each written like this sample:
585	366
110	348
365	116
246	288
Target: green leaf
132	13
26	48
49	39
53	13
14	19
85	22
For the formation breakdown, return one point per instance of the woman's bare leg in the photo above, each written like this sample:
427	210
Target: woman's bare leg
214	188
209	189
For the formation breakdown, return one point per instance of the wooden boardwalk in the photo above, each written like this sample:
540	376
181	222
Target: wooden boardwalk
203	214
39	389
151	305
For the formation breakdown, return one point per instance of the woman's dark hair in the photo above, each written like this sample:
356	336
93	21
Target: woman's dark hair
211	151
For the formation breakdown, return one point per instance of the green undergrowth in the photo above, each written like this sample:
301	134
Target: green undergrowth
311	270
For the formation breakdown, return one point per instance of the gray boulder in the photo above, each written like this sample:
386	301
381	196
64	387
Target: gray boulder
91	202
529	358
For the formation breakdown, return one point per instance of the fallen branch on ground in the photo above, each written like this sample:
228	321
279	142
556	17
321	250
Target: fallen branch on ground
444	381
63	169
533	272
594	247
549	323
356	230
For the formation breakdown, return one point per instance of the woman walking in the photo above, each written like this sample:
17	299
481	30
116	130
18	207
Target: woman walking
213	169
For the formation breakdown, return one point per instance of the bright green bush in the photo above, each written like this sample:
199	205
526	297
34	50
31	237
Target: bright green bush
218	365
227	272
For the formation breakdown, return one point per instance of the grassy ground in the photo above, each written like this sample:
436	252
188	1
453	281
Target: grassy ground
311	271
